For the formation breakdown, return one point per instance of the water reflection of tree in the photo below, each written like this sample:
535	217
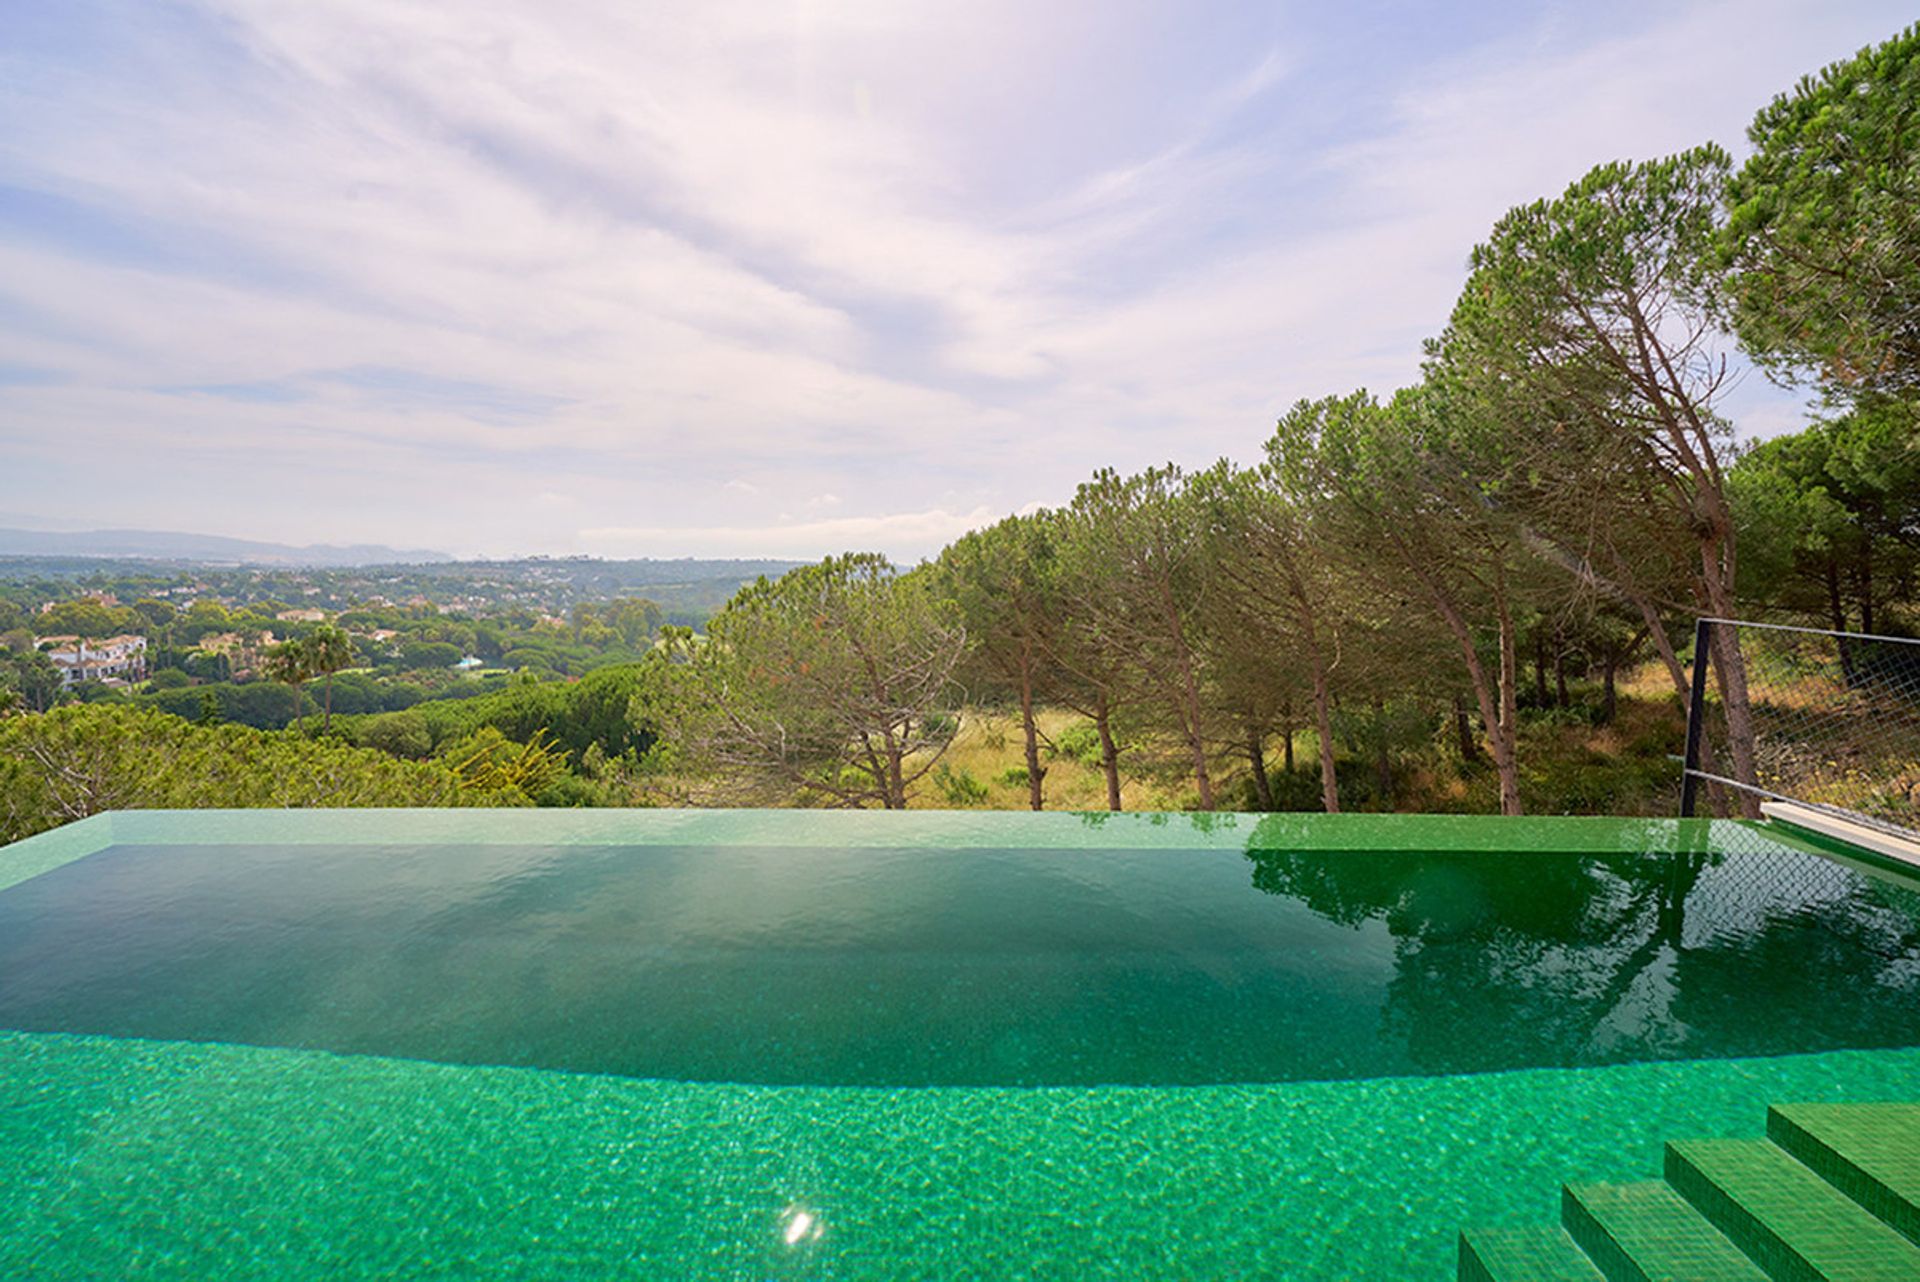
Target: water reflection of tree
1505	960
1838	974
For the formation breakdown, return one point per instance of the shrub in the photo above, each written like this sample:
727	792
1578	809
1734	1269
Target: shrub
959	787
401	734
1081	742
84	758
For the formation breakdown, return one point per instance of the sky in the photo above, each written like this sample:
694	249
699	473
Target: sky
768	279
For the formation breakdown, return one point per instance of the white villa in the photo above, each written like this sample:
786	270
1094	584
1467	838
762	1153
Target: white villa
116	660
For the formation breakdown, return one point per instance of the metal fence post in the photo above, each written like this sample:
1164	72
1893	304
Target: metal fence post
1696	717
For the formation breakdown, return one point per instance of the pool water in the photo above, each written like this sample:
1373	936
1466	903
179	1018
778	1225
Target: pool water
986	967
843	1046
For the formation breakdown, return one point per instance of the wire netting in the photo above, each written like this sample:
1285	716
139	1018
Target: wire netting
1833	721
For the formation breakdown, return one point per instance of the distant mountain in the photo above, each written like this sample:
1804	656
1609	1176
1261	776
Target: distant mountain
212	549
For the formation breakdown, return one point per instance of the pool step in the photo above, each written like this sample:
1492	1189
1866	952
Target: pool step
1798	1227
1531	1254
1870	1152
1649	1233
1833	1195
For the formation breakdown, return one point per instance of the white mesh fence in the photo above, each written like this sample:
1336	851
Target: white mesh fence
1832	720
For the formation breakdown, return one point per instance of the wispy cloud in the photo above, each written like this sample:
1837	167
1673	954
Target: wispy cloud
429	267
906	536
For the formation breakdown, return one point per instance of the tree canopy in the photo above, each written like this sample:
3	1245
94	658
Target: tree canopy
833	681
1822	248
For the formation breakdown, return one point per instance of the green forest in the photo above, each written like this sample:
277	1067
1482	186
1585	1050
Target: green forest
1473	593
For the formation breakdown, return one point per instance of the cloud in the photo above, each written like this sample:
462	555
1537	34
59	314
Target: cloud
426	267
902	535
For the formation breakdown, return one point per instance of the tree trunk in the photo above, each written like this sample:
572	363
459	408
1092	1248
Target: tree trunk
1540	666
1730	674
1837	612
1609	690
896	786
1323	722
327	723
1463	731
1109	752
1505	744
1493	700
1382	763
1034	773
1560	673
1730	666
1286	751
1866	588
1257	762
1189	695
1202	780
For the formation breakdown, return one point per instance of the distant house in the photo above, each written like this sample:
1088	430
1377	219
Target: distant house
116	660
302	616
106	599
469	663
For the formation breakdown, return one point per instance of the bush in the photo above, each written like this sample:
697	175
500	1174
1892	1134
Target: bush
401	734
488	761
1292	790
84	758
1577	714
1014	776
959	787
1081	742
1602	786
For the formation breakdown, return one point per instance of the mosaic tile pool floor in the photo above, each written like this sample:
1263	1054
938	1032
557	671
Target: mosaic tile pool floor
162	1160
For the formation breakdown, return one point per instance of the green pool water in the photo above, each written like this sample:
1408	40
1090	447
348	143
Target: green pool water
872	1046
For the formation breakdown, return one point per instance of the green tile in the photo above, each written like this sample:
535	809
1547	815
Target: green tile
1649	1233
1794	1224
1870	1152
1535	1254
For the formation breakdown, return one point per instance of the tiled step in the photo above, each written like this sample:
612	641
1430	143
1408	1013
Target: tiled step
1649	1233
1535	1254
1870	1152
1795	1225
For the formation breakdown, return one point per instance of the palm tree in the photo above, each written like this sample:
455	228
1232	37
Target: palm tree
328	650
288	663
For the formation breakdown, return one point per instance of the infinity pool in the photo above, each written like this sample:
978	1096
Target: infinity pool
752	1045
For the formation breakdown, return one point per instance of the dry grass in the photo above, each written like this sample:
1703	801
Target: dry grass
989	745
1566	766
